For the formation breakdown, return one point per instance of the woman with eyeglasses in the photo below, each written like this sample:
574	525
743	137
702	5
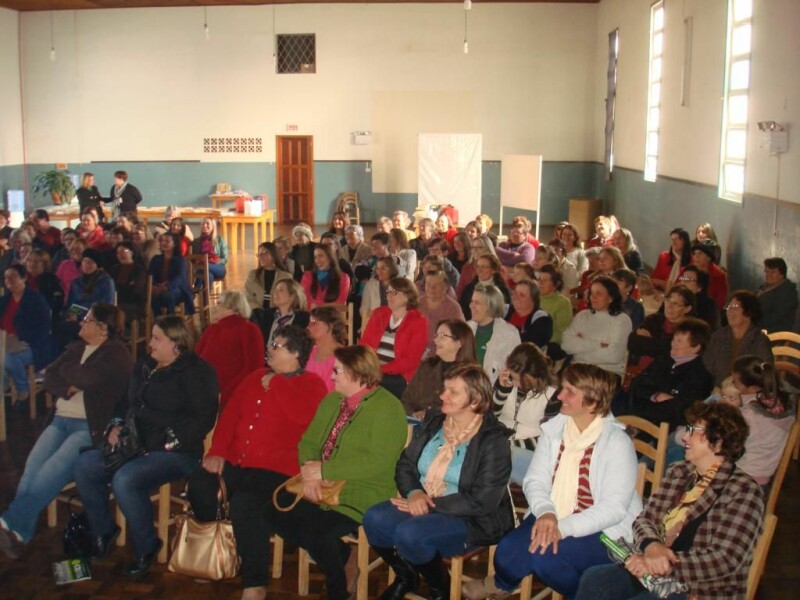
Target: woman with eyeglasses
454	344
705	307
437	303
398	332
88	379
173	399
488	271
700	527
328	332
254	449
740	336
356	435
231	343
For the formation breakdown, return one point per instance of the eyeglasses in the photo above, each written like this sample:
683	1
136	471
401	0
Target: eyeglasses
89	320
692	428
684	278
733	307
391	291
338	370
276	345
441	334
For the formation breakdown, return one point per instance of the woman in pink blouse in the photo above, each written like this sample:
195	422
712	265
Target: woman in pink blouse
329	332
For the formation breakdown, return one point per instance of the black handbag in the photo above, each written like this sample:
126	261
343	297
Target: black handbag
128	446
77	536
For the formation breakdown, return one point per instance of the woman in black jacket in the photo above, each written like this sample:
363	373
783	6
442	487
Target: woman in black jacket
89	196
452	480
173	398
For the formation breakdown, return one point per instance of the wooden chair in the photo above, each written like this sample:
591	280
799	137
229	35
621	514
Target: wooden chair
140	328
780	472
65	495
33	391
347	202
760	555
657	454
365	566
197	267
350	323
786	350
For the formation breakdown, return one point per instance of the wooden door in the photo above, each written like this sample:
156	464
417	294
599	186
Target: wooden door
295	172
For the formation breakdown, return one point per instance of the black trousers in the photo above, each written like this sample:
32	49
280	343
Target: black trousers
318	531
250	495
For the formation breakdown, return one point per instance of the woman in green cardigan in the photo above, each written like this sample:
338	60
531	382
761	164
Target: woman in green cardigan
357	435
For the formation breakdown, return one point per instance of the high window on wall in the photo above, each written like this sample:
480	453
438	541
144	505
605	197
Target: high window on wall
737	89
611	100
654	90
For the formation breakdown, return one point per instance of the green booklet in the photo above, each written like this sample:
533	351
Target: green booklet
72	570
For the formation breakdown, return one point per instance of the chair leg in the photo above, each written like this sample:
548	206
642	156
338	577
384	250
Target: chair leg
456	577
303	566
122	528
277	556
163	520
52	513
363	565
32	391
490	565
526	588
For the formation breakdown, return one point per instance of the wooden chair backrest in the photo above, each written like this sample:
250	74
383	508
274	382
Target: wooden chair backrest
657	454
350	323
786	350
780	472
760	555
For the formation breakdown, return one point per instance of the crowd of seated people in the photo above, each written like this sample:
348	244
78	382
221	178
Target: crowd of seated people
508	358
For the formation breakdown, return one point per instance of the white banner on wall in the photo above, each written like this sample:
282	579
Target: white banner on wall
450	171
521	184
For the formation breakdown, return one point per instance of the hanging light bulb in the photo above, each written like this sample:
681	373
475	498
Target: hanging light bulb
206	29
467	4
466	43
52	53
466	47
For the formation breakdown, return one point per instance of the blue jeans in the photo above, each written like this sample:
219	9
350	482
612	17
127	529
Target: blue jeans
215	271
48	469
561	571
613	582
15	365
520	461
132	485
417	539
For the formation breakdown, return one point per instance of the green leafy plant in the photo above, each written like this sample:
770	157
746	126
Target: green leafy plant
54	183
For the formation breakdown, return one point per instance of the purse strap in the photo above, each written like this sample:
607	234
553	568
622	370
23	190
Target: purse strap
278	489
223	506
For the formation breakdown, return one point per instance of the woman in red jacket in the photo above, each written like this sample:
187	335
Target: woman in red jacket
231	344
254	448
399	334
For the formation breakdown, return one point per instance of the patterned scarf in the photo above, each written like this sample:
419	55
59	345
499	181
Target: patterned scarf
566	479
347	407
434	481
675	519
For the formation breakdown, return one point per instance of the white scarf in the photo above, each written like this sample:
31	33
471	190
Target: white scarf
565	483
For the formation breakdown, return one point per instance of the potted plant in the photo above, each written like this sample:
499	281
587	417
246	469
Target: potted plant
54	183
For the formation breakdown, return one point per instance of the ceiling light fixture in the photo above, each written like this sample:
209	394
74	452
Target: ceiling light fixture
52	39
466	43
206	29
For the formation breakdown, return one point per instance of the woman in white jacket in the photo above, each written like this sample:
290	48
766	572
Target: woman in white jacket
581	483
599	335
494	337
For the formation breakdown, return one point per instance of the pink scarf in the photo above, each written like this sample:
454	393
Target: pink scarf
434	481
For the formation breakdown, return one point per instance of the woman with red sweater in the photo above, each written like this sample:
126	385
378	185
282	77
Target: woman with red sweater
255	448
231	344
398	333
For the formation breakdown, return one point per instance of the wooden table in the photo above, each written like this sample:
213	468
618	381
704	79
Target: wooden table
187	213
234	221
219	200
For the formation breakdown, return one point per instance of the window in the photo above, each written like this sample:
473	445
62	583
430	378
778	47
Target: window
297	53
611	100
737	88
654	90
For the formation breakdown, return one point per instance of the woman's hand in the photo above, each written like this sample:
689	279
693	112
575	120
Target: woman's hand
643	332
113	435
659	559
214	464
418	504
71	391
663	397
312	490
266	379
311	470
544	533
505	378
636	565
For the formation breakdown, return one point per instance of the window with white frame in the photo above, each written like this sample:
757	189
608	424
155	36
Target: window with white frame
654	90
737	88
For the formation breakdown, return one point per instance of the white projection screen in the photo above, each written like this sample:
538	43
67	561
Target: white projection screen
521	184
450	171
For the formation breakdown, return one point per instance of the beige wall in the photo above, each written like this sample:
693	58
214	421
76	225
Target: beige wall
146	84
690	135
10	115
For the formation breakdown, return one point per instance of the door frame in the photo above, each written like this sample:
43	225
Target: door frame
278	174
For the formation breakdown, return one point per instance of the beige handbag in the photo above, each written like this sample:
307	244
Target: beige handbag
294	485
206	549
